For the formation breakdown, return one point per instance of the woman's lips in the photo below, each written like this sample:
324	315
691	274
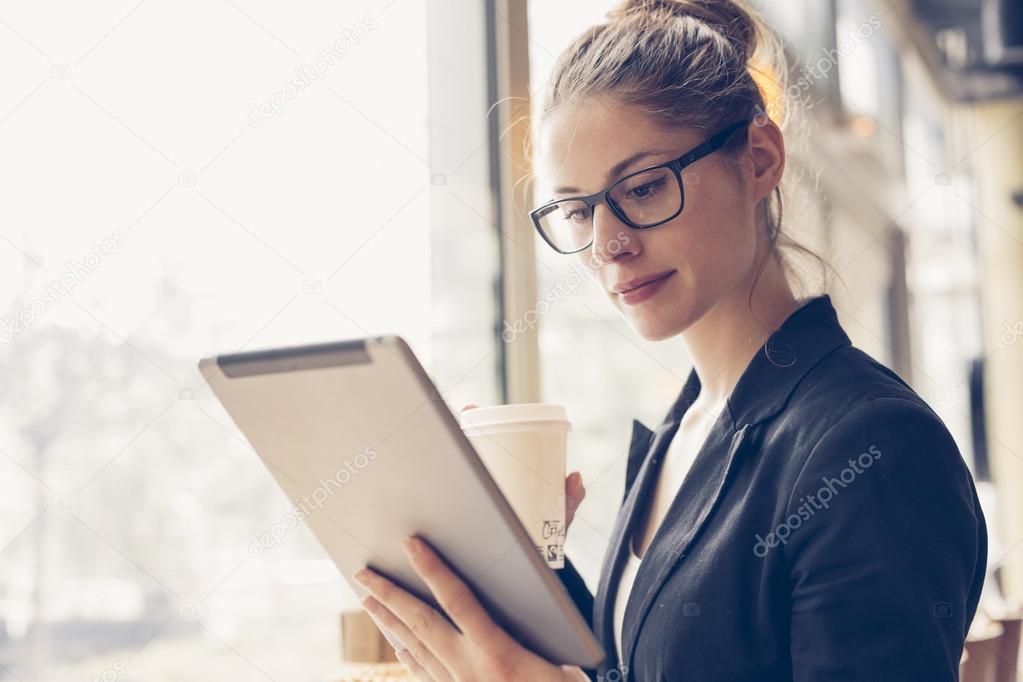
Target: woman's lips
645	291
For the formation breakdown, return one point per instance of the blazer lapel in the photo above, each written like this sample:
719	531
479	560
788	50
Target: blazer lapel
646	450
697	498
639	446
640	450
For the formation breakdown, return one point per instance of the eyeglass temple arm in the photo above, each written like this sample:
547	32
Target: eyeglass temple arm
711	145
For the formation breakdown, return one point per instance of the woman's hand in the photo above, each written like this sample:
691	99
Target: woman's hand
574	494
436	650
574	489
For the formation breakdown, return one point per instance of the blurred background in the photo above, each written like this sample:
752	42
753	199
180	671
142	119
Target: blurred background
190	178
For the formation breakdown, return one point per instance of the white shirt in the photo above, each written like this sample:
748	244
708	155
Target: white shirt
673	471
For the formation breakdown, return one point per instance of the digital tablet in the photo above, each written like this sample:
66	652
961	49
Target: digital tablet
360	440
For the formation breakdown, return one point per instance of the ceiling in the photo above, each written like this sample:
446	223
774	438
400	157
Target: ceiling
974	48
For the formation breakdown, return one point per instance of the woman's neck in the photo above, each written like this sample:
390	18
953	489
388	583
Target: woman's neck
723	341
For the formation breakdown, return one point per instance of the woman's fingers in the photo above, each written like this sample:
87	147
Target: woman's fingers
419	618
457	599
574	494
482	650
421	661
421	673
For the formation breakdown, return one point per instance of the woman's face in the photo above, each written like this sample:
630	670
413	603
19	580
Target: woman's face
705	253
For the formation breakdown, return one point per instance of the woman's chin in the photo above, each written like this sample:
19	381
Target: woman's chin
652	327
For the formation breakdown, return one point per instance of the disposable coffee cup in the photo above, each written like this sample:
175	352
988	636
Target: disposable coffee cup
524	447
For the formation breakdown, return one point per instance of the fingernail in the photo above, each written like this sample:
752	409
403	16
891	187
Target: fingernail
411	546
362	576
403	656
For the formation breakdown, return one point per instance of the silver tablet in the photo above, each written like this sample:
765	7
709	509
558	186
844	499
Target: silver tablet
360	440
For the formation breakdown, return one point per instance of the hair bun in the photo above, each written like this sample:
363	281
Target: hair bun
729	17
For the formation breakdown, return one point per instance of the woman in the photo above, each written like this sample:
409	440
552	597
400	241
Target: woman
800	513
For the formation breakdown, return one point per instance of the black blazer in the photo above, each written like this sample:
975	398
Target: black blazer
828	530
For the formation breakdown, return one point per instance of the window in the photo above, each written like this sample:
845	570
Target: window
183	181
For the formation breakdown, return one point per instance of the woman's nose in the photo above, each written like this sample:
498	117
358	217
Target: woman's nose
611	236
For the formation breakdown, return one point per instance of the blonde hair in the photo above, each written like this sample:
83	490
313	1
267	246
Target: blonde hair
686	63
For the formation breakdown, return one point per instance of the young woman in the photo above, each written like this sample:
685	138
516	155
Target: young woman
800	513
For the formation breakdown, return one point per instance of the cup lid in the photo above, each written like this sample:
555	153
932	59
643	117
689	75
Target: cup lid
502	415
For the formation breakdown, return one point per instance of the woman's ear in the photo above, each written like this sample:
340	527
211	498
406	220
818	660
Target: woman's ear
767	150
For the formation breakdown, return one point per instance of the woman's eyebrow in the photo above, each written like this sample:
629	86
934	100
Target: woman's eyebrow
617	170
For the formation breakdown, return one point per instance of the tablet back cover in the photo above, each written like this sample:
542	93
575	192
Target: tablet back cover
362	443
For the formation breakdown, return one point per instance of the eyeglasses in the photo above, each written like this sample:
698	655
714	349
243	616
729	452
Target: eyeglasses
647	198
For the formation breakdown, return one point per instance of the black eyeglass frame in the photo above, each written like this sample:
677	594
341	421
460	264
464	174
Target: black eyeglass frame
701	150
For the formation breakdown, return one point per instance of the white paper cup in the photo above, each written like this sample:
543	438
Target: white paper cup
524	446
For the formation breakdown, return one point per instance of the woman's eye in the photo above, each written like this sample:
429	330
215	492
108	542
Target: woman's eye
646	190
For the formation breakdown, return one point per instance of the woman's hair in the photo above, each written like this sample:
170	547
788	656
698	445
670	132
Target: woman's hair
686	63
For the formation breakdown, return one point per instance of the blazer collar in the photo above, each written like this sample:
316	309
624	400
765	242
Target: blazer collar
802	340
